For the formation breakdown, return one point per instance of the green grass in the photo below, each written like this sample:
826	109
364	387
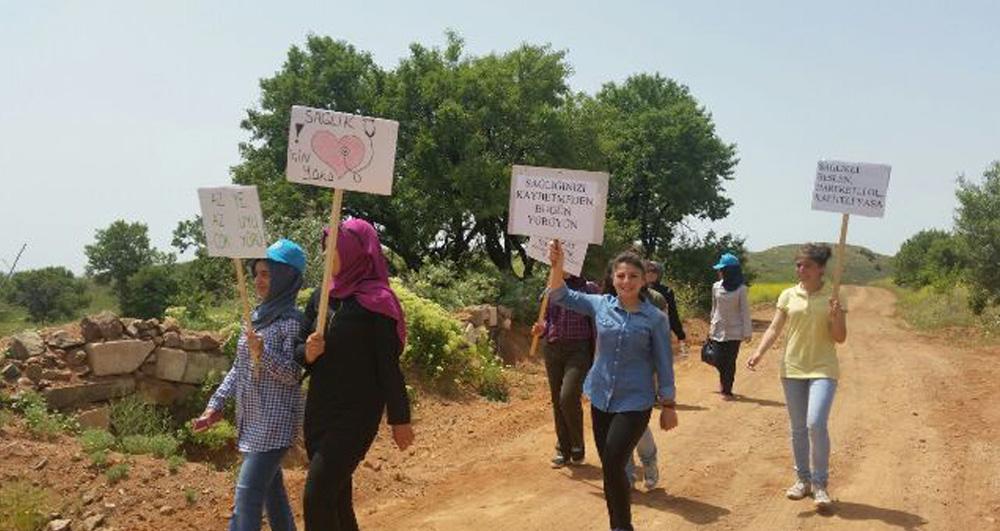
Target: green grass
174	463
134	416
96	440
930	309
777	264
24	507
14	319
117	473
766	292
161	445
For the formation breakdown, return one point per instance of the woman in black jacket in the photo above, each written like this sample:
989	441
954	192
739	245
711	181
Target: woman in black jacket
354	376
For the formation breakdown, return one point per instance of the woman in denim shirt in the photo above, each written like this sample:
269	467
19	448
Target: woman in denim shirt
632	370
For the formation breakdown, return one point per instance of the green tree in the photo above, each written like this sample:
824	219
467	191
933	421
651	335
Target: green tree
48	294
977	225
149	292
666	160
204	279
118	252
689	262
929	257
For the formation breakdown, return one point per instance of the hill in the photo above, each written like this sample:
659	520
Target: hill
777	264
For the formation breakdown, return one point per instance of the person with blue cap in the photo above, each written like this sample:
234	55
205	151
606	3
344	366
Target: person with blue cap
264	380
730	319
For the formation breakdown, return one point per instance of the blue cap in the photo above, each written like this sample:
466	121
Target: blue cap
288	252
726	260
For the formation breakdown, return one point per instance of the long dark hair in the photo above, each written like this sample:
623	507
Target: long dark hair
632	259
732	277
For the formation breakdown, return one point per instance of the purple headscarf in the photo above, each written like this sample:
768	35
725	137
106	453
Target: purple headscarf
364	273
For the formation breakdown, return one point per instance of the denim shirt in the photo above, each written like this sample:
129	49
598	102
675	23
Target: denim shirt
631	347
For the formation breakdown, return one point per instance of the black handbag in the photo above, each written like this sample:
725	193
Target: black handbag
710	352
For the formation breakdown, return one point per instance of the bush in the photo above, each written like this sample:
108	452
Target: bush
689	263
978	230
96	440
454	287
24	507
523	296
133	416
117	473
929	258
161	445
217	437
99	459
48	294
40	422
437	350
174	463
149	292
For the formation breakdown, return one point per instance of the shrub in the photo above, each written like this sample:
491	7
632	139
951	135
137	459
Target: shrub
174	463
24	507
190	495
40	422
116	473
95	440
99	459
217	437
161	445
133	416
149	292
454	287
48	294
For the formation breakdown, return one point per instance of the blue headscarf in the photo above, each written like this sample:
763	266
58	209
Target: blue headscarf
286	281
732	277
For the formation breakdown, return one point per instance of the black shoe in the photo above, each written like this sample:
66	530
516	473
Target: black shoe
559	461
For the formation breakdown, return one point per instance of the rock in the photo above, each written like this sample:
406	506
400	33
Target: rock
10	372
97	418
92	523
103	326
191	342
59	525
172	339
117	357
163	393
24	381
57	375
77	358
166	510
132	331
91	496
170	325
26	345
170	364
61	397
41	464
33	369
65	339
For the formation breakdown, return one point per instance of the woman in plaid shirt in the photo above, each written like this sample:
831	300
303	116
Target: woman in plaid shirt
264	380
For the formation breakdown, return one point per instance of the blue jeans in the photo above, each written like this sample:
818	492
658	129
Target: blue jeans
647	454
809	402
261	484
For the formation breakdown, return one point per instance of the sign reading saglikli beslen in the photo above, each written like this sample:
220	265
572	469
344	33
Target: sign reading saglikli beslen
566	205
851	187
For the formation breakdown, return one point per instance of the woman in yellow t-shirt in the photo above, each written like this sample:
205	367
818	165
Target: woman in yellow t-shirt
809	369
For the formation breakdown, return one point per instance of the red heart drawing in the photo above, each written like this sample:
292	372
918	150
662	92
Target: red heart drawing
340	154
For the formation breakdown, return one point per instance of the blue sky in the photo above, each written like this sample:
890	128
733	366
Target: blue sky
120	110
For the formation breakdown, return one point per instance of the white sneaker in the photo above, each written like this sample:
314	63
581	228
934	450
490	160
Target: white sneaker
821	498
651	476
798	491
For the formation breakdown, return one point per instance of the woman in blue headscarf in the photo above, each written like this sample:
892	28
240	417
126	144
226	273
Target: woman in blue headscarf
730	322
264	380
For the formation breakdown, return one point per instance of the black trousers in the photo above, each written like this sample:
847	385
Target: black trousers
727	364
566	365
616	435
334	454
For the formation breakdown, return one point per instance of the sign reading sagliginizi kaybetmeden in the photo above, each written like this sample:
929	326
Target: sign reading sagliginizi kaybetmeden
567	205
851	187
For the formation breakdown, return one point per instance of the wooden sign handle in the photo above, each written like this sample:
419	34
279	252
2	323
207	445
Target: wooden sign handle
241	287
331	248
541	315
838	270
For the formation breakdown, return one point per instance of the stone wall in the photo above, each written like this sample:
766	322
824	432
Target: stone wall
107	357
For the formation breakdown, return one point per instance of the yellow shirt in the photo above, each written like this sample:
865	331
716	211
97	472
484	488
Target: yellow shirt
809	348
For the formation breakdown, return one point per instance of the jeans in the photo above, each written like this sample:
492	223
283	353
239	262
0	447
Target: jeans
809	402
647	455
566	365
727	365
616	435
261	484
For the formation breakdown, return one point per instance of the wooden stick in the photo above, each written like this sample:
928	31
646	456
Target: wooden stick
241	286
541	314
838	270
331	248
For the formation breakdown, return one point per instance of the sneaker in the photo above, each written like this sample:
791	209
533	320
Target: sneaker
821	498
798	491
651	476
559	461
576	460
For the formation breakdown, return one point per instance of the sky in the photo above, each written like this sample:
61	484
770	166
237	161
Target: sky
121	109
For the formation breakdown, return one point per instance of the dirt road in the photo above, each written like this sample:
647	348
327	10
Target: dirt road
916	445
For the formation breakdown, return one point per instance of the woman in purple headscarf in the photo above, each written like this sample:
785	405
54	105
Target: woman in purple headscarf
354	375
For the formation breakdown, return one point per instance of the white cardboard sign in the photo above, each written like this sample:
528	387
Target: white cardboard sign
340	150
234	226
851	187
552	203
573	253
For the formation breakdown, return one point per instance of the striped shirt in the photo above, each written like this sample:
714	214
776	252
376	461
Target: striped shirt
269	404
